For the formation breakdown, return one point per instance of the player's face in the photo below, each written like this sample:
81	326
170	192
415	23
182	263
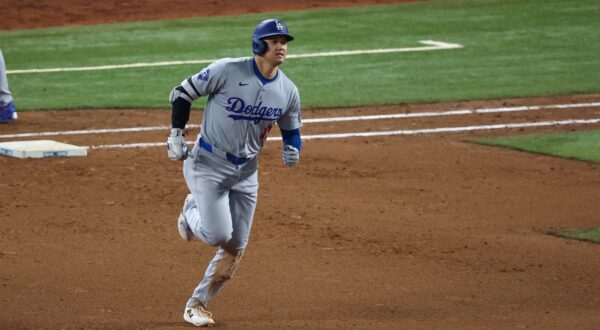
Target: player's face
277	49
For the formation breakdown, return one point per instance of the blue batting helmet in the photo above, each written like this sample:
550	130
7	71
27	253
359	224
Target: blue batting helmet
268	28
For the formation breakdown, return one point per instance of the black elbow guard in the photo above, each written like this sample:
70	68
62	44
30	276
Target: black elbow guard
181	104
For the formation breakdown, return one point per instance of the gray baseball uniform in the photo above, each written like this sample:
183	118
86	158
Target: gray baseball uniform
7	106
222	169
5	95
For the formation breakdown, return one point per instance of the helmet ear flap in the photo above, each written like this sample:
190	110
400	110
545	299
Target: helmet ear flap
258	45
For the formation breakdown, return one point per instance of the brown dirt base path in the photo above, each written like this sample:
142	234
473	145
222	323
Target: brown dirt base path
401	232
27	14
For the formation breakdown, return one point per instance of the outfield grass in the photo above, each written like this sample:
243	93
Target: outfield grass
582	145
512	48
591	234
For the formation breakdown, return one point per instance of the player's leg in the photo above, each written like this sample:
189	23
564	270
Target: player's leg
5	95
219	270
208	216
242	205
7	107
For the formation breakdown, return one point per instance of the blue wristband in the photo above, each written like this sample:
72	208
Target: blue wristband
292	138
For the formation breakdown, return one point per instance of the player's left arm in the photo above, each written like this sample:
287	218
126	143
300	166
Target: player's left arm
290	125
292	144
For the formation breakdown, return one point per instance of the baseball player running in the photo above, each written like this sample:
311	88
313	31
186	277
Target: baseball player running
8	112
246	98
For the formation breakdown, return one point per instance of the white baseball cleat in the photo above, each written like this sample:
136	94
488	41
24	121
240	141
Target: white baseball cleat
182	225
198	316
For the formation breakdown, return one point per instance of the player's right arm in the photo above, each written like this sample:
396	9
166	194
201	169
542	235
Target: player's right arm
205	82
181	105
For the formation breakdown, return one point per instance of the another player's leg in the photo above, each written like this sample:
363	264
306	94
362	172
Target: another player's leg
8	110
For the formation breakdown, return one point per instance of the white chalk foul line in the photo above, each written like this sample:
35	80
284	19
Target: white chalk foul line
324	120
431	45
387	133
454	112
109	67
88	131
94	131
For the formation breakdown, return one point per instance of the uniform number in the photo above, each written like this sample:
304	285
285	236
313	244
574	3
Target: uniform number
265	132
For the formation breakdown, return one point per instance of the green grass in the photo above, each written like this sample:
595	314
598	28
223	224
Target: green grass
591	235
583	145
512	48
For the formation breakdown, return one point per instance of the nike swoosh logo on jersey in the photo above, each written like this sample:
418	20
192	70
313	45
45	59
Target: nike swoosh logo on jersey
242	84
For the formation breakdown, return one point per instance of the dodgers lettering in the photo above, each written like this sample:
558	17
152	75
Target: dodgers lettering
255	113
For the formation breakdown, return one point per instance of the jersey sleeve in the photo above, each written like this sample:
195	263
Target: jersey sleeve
208	81
292	118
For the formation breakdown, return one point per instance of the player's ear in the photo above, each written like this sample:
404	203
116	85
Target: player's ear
267	44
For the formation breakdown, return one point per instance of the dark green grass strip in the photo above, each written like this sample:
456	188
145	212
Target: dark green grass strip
582	145
590	235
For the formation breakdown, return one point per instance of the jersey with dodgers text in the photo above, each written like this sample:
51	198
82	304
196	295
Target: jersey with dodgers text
241	110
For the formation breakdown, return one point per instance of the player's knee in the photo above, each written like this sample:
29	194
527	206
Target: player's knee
218	239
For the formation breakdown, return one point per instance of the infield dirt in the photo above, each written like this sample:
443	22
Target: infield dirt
398	232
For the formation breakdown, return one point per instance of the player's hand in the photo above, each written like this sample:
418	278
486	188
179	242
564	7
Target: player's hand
291	156
177	148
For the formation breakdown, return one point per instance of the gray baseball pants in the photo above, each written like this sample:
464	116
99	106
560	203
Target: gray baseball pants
5	95
225	196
